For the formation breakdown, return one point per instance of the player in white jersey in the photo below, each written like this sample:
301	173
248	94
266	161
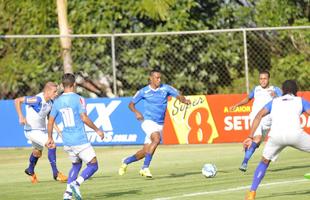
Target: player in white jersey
71	109
37	110
285	130
261	94
155	96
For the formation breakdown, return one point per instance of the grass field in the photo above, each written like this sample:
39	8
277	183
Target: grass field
176	171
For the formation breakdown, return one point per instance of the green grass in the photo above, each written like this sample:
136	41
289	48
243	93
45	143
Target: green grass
176	171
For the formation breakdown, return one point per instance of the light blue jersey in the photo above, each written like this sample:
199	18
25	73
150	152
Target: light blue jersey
68	107
155	101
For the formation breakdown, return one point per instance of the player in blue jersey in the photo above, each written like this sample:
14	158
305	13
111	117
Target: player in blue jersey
285	130
71	109
155	96
262	94
37	109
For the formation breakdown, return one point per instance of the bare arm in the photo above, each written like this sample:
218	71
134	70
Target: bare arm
183	99
50	141
248	141
91	125
242	102
132	107
18	107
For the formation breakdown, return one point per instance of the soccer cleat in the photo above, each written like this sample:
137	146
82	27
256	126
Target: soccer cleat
33	176
243	167
61	177
76	190
67	195
122	170
250	195
146	172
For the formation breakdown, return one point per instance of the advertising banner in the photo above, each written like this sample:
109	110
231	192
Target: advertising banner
208	120
111	115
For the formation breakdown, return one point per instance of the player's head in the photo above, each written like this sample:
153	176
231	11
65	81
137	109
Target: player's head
289	87
264	77
50	90
68	80
155	78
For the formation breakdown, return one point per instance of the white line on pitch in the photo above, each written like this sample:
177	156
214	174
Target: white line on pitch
229	190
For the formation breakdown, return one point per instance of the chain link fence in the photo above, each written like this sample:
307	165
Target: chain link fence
197	62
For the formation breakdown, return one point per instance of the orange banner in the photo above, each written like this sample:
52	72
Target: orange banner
208	120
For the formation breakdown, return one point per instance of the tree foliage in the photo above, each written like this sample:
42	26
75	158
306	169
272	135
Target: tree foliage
210	63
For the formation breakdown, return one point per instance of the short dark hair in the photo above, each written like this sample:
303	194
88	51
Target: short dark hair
155	70
68	80
265	72
289	87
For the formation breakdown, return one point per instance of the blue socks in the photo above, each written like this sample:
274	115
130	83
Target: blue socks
32	163
89	170
52	159
130	159
259	175
147	160
249	152
74	172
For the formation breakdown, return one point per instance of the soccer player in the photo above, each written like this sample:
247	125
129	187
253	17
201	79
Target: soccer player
155	96
261	94
285	130
71	109
37	109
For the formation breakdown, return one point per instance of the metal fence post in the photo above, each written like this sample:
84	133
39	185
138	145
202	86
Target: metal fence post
113	64
246	67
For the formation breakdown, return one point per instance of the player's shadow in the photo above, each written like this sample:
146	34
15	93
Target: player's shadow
290	168
117	194
174	175
280	194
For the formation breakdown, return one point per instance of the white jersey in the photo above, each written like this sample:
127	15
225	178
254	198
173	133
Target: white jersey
262	96
286	130
36	111
285	113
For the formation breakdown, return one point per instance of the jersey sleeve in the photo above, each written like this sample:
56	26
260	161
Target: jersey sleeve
172	91
82	105
305	105
268	106
138	96
32	100
251	94
278	91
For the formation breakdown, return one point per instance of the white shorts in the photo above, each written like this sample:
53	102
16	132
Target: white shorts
263	126
275	145
38	138
84	152
149	127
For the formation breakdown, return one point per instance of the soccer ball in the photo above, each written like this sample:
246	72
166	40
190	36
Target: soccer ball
209	170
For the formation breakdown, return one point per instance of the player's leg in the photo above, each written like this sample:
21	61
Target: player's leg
149	151
257	139
73	174
130	159
87	154
39	137
33	159
249	152
271	152
74	171
152	140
